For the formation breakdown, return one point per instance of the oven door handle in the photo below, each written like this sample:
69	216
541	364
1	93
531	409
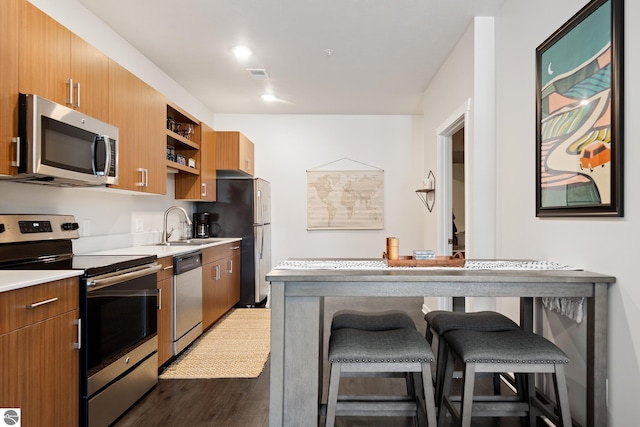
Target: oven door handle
119	278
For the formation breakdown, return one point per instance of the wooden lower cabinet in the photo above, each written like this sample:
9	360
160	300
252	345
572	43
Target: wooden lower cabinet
165	311
38	357
220	281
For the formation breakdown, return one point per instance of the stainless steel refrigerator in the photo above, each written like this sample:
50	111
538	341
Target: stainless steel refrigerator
243	209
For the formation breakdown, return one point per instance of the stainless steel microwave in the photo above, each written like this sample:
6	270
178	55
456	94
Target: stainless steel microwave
61	146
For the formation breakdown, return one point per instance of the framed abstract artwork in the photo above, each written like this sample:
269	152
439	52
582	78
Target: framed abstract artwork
579	115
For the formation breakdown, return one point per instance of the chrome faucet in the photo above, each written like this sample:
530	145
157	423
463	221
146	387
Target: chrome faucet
165	234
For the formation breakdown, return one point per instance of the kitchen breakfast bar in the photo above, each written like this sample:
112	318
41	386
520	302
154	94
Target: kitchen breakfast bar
298	288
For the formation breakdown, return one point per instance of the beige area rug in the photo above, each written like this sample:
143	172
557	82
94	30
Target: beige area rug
237	346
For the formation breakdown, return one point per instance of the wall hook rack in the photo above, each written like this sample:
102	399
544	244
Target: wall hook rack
427	194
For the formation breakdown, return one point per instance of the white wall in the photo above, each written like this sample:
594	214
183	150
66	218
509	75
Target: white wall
467	75
602	245
287	145
451	87
108	218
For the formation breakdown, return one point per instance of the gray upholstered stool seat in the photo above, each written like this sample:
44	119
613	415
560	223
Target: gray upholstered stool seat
439	322
514	351
395	350
376	321
372	321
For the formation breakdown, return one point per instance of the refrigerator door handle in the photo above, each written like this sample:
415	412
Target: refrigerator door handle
261	219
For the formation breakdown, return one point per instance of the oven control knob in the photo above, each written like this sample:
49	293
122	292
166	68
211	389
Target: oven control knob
69	226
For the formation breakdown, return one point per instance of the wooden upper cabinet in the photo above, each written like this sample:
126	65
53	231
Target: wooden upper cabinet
90	72
200	186
57	65
139	113
208	146
44	55
234	153
8	84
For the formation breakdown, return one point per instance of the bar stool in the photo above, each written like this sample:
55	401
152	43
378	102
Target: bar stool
439	322
377	321
395	350
516	351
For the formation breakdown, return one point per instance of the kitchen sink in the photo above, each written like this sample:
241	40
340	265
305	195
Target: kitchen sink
192	242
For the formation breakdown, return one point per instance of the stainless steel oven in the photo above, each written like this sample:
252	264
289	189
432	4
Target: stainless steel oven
120	318
118	311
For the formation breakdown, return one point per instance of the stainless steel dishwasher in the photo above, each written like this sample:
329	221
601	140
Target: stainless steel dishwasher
187	301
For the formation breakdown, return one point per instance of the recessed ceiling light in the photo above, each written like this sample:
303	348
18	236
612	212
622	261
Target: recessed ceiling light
269	97
242	52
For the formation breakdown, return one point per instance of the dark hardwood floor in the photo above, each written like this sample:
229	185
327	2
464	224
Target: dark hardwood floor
245	403
214	402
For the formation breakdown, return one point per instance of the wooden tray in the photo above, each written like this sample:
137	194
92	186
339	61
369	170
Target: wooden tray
408	261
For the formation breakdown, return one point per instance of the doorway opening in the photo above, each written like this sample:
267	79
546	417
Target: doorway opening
458	211
451	196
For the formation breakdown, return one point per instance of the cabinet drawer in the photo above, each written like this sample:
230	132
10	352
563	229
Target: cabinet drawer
167	268
22	307
215	253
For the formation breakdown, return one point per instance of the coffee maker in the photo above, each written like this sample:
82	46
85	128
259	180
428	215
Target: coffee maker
201	225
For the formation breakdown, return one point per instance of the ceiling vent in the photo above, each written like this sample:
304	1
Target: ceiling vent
258	73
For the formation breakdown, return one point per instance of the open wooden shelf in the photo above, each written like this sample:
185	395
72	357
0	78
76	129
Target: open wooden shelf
177	140
182	168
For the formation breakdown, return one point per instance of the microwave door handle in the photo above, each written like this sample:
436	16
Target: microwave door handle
107	157
104	139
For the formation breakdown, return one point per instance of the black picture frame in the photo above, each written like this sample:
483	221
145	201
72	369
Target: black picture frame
579	115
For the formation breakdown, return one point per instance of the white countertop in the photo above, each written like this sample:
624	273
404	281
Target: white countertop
163	251
16	279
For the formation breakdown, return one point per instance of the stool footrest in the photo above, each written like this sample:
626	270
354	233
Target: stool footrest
493	409
376	408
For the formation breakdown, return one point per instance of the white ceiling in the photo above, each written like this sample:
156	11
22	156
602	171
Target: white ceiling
384	52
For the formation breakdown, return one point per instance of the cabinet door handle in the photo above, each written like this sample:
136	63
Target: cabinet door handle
144	177
169	267
16	162
217	275
70	100
78	95
230	264
248	164
204	189
78	345
39	303
141	183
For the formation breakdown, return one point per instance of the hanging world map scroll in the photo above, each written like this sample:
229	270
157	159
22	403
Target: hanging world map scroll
349	200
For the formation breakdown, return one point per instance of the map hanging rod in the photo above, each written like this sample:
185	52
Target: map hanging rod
321	167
